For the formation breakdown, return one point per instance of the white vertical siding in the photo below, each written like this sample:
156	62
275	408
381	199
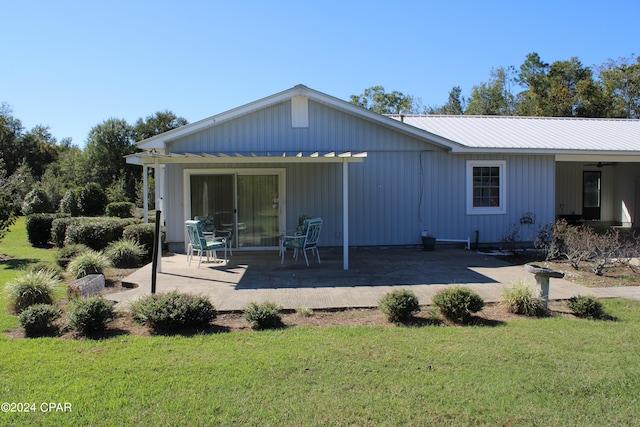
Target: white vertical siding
403	186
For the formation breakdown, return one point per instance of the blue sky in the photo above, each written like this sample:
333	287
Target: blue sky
73	64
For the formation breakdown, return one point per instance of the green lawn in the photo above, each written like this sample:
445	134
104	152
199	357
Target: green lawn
551	371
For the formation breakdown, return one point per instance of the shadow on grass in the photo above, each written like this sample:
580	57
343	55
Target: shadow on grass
274	324
19	263
481	321
419	322
192	332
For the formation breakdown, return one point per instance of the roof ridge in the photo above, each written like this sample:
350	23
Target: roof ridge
473	116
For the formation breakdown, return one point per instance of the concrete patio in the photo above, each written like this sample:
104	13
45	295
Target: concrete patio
259	277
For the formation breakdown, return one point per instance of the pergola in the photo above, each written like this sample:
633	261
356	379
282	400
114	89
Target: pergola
156	159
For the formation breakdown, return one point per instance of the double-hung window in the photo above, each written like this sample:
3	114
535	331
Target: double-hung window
486	187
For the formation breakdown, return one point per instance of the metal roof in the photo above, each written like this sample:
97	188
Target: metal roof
556	135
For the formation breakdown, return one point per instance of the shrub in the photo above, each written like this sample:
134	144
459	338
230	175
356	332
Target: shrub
586	306
120	209
54	269
399	305
304	312
170	312
96	233
36	201
125	253
92	200
457	303
522	299
89	262
37	319
30	288
69	202
39	227
263	316
66	253
59	230
143	234
90	317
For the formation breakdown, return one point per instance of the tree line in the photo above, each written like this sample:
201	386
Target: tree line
34	159
561	89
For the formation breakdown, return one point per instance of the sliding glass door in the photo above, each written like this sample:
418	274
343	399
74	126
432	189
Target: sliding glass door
245	203
258	210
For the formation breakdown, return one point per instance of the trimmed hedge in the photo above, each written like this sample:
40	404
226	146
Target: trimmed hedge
120	209
39	227
95	233
143	234
173	311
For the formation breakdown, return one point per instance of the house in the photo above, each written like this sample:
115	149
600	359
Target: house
381	180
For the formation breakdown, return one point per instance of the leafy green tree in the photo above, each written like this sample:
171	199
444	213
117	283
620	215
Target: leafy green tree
494	97
7	215
38	149
376	99
533	77
92	200
10	133
161	121
454	106
621	81
107	144
22	181
36	201
562	89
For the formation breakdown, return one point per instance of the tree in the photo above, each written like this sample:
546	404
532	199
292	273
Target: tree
533	77
454	106
161	121
494	97
621	81
38	149
107	144
7	215
10	132
376	99
23	182
562	89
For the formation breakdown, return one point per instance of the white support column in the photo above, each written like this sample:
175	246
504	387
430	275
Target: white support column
159	206
145	193
345	214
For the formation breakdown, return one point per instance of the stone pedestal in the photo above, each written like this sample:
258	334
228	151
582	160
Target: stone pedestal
542	275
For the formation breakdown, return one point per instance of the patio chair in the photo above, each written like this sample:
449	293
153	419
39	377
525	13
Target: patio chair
198	243
305	242
208	227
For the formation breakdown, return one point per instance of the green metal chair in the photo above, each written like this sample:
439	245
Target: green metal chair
305	242
208	226
198	243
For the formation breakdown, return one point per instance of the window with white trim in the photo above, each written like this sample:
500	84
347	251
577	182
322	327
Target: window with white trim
486	187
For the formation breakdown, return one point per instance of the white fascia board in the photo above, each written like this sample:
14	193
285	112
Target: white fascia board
159	141
599	157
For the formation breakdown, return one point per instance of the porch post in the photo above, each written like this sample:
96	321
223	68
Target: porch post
345	214
145	192
159	195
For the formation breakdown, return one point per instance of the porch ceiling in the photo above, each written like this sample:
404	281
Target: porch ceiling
152	157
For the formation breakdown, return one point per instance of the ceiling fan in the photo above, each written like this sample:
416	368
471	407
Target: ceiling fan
599	164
